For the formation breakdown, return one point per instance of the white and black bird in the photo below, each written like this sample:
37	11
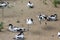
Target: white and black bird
29	21
15	29
3	3
30	5
58	34
42	17
19	36
52	17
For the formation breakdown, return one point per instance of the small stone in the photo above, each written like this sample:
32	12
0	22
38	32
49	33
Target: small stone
18	21
52	35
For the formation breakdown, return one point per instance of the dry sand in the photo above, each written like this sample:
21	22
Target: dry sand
21	12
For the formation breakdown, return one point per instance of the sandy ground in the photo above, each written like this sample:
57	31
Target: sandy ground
21	12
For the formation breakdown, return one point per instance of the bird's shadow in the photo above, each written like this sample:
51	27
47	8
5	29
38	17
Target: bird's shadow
49	28
19	39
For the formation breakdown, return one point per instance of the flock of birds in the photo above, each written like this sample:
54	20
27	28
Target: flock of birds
28	21
17	29
4	4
